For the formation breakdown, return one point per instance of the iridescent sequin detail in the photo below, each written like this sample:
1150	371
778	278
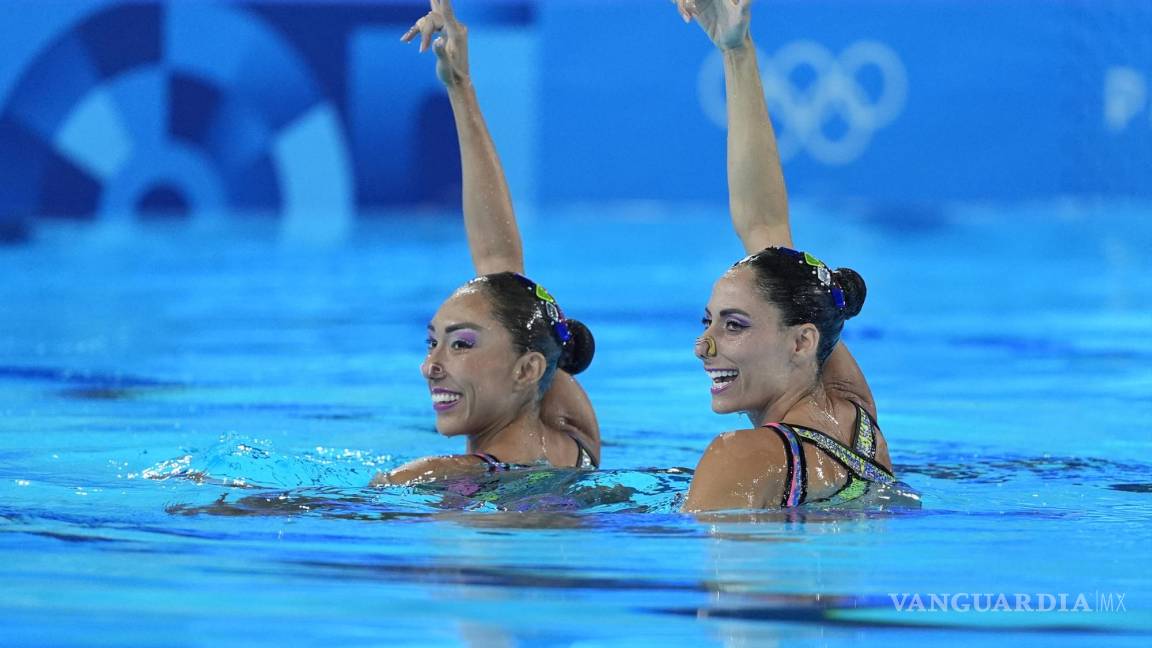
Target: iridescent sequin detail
795	492
859	461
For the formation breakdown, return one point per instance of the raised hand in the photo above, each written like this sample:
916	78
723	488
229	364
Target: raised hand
725	21
450	47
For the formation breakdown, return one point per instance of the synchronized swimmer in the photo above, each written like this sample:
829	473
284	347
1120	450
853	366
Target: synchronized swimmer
501	353
502	356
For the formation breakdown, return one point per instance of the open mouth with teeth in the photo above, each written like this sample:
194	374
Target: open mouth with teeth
444	400
722	379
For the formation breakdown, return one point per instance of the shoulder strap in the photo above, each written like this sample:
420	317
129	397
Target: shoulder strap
494	464
583	456
857	464
796	488
864	437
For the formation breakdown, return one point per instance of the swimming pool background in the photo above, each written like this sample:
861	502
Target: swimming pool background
1010	369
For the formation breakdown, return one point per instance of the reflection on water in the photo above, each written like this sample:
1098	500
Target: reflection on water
1000	468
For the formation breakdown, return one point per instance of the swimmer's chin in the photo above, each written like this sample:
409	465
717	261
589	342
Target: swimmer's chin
449	431
719	406
725	410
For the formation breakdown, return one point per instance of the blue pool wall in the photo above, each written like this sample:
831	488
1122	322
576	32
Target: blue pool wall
314	111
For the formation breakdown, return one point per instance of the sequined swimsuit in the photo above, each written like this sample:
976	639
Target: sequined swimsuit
583	459
859	460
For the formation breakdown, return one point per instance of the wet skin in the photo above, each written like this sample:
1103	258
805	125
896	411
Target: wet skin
773	363
480	384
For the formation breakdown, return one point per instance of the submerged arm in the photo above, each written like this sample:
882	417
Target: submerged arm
490	222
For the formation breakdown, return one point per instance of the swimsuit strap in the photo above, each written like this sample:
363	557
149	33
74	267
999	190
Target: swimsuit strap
864	437
859	460
494	464
864	443
858	464
796	488
584	456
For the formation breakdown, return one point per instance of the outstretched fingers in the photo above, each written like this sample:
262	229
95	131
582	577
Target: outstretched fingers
426	27
441	17
411	33
428	32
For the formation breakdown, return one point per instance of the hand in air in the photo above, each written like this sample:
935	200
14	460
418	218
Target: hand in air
450	47
725	21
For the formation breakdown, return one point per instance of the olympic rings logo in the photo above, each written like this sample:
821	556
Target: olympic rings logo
832	118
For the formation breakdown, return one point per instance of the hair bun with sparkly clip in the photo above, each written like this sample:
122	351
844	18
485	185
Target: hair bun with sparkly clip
854	290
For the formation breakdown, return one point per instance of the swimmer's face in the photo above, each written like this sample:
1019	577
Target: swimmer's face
755	357
475	376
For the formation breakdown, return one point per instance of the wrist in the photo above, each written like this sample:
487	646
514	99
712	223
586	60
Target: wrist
743	46
460	88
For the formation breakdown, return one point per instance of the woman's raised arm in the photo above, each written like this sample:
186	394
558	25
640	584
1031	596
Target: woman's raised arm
493	237
757	197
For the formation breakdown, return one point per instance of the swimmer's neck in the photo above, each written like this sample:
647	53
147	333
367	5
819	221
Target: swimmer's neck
516	441
789	402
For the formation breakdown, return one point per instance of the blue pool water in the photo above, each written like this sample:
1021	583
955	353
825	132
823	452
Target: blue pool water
190	415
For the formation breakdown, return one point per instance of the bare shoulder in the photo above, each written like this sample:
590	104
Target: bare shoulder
430	469
735	443
741	469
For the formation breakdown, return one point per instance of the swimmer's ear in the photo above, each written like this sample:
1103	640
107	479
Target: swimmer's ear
807	340
530	368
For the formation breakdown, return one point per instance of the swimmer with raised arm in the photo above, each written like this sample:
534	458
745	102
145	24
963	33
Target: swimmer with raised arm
501	353
772	327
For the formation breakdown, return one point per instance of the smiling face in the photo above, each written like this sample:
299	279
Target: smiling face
475	375
754	360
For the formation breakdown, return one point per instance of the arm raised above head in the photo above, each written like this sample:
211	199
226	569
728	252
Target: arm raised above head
489	219
757	196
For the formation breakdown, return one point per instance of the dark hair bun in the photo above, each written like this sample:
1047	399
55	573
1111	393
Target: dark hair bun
579	349
854	289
